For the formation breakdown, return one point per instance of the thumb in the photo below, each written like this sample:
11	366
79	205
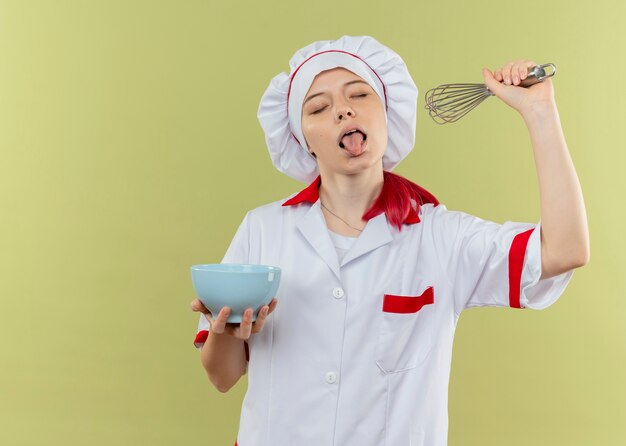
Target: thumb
492	83
197	305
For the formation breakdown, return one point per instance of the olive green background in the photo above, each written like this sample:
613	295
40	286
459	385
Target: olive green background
130	150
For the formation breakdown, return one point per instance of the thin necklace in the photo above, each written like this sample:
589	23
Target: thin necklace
356	229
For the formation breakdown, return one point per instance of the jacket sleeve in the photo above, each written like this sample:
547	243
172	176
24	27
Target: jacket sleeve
495	265
238	252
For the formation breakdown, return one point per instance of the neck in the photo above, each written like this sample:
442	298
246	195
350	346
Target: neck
350	196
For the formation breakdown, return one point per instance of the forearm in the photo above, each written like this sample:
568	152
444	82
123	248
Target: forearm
565	235
223	358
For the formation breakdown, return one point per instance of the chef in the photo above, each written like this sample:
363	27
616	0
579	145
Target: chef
375	271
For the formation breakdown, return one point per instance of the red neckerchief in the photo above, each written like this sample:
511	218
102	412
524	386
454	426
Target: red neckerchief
310	194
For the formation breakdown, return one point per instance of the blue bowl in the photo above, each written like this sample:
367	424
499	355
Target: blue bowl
237	286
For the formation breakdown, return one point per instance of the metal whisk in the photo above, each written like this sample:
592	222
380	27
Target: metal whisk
450	102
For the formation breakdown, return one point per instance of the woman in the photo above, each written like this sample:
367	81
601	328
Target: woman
375	271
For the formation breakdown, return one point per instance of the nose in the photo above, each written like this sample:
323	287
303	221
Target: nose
344	111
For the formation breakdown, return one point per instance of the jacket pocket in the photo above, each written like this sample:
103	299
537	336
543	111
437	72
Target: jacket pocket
404	338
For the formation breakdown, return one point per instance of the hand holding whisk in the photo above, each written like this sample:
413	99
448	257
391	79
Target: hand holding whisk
450	102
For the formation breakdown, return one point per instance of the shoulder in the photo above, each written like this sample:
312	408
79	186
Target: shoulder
441	219
430	210
273	210
427	210
430	213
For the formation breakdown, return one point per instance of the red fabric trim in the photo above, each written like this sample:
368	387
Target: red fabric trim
310	193
408	304
516	263
412	217
201	337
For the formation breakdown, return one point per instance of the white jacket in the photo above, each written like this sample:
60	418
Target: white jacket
359	353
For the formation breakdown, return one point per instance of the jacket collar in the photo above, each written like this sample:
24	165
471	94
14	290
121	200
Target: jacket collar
310	194
313	227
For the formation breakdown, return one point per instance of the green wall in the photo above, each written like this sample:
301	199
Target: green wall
130	150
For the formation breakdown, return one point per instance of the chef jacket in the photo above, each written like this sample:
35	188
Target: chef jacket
358	351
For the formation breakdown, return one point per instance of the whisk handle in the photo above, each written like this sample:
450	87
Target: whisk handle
537	74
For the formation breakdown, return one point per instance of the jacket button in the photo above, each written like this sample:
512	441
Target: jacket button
331	377
338	293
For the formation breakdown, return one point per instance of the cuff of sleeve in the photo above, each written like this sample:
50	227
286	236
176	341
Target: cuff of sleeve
200	339
538	294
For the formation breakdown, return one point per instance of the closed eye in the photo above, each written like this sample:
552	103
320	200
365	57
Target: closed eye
356	96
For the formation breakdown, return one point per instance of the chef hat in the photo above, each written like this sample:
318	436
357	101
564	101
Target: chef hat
281	105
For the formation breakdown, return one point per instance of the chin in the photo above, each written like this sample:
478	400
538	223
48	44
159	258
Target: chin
363	162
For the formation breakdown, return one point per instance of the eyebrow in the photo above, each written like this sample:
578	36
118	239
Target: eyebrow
323	92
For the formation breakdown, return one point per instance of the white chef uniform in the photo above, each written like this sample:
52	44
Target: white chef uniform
358	351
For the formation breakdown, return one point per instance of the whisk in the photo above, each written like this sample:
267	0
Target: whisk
450	102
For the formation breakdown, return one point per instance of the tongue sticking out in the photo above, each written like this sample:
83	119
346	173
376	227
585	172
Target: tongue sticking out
353	143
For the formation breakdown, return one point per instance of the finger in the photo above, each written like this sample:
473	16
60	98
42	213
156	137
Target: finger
273	304
219	324
491	82
523	69
515	73
498	75
265	311
260	319
196	305
527	67
506	72
245	328
518	69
